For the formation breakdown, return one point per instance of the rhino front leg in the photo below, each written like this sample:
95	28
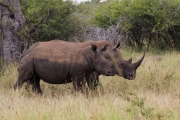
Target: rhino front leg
92	80
78	82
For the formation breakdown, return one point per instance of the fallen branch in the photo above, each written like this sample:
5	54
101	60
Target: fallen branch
168	76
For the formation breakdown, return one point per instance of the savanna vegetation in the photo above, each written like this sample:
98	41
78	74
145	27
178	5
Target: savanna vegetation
151	25
153	95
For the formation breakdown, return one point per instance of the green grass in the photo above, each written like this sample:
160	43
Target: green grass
153	95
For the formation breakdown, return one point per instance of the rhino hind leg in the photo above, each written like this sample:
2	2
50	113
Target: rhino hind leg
21	79
78	82
25	72
35	82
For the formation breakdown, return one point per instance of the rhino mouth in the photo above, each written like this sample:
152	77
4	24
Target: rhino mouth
130	77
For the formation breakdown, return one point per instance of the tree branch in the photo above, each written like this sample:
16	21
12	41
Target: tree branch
30	33
38	24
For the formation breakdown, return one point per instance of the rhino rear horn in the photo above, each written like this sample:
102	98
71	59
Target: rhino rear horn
138	63
129	61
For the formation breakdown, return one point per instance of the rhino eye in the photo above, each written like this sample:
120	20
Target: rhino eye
102	63
122	64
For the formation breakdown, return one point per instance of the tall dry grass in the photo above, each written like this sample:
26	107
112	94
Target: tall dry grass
153	95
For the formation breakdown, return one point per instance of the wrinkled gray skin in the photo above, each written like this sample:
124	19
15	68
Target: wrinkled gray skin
124	68
62	62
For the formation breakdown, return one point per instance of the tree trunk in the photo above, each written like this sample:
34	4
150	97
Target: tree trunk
11	22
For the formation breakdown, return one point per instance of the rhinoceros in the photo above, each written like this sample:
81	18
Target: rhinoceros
124	68
62	62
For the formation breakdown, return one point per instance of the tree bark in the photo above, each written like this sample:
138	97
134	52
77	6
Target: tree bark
11	22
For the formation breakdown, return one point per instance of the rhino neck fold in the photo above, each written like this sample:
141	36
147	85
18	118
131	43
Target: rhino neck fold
90	62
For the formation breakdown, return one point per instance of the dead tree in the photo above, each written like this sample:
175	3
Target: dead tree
112	34
11	22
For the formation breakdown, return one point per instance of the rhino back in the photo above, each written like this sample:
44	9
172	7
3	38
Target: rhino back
31	49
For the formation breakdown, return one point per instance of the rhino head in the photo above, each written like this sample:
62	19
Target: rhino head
100	63
127	69
124	68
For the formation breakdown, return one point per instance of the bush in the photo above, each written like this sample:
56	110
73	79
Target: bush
146	22
49	19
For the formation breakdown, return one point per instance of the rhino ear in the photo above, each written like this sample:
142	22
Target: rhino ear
116	46
93	47
104	48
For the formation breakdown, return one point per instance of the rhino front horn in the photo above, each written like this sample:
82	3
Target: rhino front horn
138	63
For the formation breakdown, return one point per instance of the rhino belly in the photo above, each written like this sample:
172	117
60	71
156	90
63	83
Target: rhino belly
53	73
